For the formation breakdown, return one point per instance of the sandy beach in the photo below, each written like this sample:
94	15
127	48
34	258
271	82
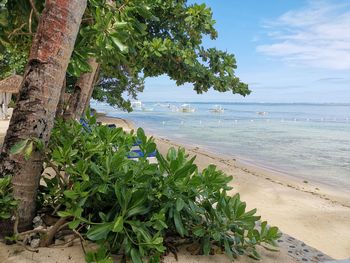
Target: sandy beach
317	216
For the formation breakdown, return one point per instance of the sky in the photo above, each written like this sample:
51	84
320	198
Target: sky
286	51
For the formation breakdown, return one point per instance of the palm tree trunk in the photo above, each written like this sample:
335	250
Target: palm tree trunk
39	94
82	92
60	105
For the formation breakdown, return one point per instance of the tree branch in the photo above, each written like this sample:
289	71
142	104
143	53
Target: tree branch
17	29
47	240
37	15
30	21
58	174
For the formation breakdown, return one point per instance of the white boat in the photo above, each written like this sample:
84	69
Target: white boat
217	109
186	108
136	104
146	109
262	113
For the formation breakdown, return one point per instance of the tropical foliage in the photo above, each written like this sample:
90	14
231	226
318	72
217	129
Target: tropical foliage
131	40
7	203
142	209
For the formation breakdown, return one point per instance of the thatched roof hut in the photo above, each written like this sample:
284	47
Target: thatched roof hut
11	84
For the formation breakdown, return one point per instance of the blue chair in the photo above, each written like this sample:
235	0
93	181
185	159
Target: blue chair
138	153
85	124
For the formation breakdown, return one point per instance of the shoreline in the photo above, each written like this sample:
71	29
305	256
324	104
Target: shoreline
300	183
307	211
337	190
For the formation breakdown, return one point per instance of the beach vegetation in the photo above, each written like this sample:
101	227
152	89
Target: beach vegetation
7	203
142	210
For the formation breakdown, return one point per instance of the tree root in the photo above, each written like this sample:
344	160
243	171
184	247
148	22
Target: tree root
51	232
26	247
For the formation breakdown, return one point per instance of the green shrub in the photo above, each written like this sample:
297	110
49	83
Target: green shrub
7	202
139	209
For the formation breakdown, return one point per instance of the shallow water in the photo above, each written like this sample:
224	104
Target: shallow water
311	141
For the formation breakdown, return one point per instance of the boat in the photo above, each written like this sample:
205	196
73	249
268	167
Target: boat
262	113
136	104
146	109
217	109
186	108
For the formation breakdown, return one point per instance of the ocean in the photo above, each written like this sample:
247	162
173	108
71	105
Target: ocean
307	141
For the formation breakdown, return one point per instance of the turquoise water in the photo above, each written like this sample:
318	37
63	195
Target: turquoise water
310	141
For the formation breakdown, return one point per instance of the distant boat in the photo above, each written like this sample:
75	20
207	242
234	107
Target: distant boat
146	109
262	113
217	109
136	104
186	108
173	108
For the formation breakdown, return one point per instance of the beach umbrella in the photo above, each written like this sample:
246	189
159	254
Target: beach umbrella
8	86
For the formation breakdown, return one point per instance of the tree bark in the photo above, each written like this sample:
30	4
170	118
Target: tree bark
96	77
82	92
60	106
37	102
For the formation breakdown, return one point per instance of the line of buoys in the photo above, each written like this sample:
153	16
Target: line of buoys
282	120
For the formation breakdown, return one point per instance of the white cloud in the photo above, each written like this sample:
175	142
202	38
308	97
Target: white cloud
315	36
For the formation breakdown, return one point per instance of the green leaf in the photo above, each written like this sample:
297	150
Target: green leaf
199	231
119	44
206	245
28	151
74	224
39	144
139	210
118	225
178	223
99	232
171	154
19	147
71	194
151	147
141	135
180	203
157	241
228	250
135	256
64	213
121	24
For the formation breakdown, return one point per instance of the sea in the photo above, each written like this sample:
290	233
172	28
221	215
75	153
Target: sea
306	141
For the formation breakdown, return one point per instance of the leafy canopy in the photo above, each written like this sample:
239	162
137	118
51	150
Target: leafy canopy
131	40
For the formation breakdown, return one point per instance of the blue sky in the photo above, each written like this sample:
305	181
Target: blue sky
286	50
